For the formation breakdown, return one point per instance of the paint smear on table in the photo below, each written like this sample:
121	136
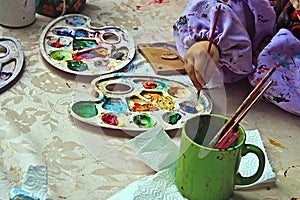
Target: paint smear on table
277	144
145	6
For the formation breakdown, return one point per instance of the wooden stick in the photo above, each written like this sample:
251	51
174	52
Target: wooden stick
239	119
85	50
213	30
225	127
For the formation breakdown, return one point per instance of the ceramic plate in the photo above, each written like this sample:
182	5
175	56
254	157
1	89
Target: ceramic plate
71	44
139	102
11	60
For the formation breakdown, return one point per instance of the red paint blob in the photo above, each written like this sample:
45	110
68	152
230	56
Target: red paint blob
110	119
57	43
77	57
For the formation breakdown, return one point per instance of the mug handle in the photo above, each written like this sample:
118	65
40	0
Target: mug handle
249	148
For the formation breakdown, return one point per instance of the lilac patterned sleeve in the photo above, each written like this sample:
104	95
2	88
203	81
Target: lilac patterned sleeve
241	26
285	92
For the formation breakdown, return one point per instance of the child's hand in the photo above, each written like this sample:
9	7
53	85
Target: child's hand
199	65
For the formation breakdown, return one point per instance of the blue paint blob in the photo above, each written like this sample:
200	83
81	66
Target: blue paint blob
188	107
115	105
75	21
82	33
61	31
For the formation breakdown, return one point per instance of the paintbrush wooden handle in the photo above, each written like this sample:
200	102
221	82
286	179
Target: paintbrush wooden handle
239	119
231	120
85	50
211	38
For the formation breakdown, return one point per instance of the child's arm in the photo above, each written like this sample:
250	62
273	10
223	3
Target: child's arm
237	33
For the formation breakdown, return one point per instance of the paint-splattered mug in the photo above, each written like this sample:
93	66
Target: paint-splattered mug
17	13
209	173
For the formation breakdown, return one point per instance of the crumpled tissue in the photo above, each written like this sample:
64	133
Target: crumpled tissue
160	153
34	185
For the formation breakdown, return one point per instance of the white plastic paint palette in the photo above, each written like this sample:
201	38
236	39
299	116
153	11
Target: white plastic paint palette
11	60
71	44
139	102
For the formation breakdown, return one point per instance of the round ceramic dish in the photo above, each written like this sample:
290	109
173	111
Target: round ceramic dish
11	60
139	102
71	44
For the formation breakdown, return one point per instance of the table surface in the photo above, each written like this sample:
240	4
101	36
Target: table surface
87	162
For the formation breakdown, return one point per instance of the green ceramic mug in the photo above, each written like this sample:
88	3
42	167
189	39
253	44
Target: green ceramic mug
208	173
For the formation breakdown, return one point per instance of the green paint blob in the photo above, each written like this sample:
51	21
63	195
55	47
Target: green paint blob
85	109
77	65
61	55
81	44
173	119
143	121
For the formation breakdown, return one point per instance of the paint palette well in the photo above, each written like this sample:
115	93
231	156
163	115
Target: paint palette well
139	102
71	44
11	60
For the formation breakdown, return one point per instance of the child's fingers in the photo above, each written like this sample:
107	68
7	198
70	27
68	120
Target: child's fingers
198	82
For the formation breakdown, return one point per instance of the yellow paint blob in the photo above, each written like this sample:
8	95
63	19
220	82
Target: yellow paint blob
277	144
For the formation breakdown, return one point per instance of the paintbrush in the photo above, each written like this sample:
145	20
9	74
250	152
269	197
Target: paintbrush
225	142
85	50
238	111
211	38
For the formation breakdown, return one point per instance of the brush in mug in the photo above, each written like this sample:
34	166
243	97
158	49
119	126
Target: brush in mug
246	105
229	137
